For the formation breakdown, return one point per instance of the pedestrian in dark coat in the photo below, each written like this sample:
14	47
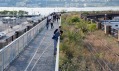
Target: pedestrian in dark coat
57	33
47	23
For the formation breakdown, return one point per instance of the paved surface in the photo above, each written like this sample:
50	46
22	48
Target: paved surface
42	47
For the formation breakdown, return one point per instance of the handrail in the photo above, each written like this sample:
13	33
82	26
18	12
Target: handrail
57	57
13	49
58	50
19	37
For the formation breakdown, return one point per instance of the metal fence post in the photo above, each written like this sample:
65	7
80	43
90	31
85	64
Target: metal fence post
3	61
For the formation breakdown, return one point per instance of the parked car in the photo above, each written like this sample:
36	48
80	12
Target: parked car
2	34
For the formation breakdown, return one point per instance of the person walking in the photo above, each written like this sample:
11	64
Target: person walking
47	23
51	22
49	17
57	17
54	16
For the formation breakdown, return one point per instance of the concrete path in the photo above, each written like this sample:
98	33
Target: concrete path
38	56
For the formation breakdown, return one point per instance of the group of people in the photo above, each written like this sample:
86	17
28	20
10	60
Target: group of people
51	19
54	17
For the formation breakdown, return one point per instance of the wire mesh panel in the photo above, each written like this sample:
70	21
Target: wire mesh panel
16	47
35	31
29	37
44	22
25	39
21	44
7	55
1	61
39	26
32	34
12	50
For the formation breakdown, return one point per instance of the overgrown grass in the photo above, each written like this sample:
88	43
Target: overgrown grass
72	50
74	54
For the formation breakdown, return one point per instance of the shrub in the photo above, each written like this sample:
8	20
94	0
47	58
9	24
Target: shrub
63	11
72	52
91	27
85	13
75	19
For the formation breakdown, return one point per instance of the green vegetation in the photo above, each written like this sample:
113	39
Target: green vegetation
85	13
72	47
63	11
75	52
20	12
75	19
91	27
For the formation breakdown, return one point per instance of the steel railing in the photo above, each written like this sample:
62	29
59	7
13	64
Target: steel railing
12	50
58	50
57	57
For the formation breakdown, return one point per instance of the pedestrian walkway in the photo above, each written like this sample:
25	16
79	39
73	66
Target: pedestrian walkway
38	55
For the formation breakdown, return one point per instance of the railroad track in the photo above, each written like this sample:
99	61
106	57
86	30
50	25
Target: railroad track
108	48
112	52
93	51
90	50
102	63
